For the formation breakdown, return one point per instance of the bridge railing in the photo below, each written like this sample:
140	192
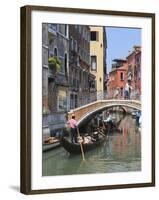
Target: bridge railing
100	95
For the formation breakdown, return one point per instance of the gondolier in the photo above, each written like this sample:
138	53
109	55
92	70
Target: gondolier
109	119
73	125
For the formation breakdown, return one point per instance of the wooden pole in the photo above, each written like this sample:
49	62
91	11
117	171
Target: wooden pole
82	152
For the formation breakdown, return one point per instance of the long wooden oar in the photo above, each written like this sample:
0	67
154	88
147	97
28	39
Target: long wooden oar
82	152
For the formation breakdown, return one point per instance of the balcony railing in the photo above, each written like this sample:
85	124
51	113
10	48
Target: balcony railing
52	73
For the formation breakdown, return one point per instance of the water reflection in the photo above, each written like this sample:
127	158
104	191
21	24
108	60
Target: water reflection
121	152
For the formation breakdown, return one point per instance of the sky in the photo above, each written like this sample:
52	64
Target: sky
120	41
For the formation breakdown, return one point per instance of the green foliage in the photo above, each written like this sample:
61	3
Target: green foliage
54	62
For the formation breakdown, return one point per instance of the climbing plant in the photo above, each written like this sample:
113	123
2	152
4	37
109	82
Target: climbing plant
54	62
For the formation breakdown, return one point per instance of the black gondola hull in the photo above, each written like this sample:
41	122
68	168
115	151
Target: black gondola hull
76	148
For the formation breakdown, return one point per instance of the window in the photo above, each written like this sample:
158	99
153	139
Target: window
62	100
71	43
94	63
94	36
85	36
65	63
78	61
80	75
63	29
71	101
121	76
76	47
66	31
88	37
80	29
55	51
76	101
83	32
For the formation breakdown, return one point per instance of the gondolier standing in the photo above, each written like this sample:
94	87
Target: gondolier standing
73	125
109	122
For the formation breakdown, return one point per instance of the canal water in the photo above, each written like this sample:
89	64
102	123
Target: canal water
121	152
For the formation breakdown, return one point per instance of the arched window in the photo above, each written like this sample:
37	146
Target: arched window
55	51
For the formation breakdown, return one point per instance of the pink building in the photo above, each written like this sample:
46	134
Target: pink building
134	69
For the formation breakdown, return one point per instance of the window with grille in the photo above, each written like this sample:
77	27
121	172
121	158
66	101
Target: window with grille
94	36
94	63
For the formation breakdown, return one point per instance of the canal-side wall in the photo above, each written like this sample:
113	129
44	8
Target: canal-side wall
53	124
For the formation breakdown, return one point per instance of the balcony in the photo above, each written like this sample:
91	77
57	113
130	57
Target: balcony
52	73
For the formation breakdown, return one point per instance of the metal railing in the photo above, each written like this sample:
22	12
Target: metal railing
101	95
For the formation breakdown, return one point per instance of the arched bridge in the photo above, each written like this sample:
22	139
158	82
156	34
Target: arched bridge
86	111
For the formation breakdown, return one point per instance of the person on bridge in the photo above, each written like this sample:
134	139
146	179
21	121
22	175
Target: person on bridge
73	125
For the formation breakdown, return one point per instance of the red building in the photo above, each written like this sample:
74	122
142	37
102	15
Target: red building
124	71
117	78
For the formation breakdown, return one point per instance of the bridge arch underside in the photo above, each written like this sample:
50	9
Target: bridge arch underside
95	111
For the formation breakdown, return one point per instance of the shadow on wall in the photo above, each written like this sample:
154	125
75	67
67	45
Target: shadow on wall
15	188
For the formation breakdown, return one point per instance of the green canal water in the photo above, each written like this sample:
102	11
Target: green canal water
121	152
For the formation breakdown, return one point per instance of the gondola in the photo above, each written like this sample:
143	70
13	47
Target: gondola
51	143
47	147
75	148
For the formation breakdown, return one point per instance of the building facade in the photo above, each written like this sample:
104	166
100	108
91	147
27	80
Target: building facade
71	77
55	59
134	69
98	45
126	71
138	72
80	80
117	79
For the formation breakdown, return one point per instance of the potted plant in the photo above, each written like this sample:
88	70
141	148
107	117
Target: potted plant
54	63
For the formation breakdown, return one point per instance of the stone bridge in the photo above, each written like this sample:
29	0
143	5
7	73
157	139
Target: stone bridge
86	111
